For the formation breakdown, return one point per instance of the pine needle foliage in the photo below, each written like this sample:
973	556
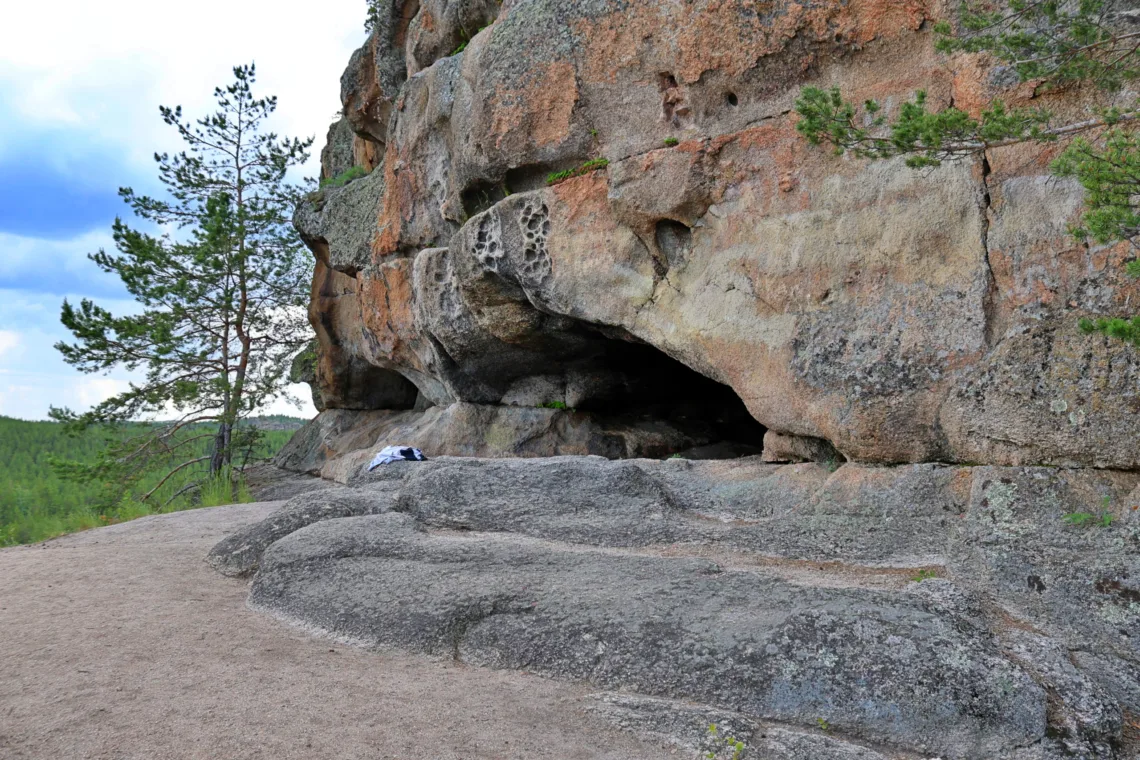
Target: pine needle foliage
220	298
1054	43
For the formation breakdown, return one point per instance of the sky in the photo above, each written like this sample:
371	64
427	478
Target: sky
80	86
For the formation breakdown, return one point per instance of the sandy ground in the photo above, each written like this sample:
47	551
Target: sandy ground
122	643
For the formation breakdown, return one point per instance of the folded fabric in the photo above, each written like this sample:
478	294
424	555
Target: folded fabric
390	454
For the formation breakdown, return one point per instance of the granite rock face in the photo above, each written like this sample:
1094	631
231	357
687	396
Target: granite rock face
897	315
910	611
933	552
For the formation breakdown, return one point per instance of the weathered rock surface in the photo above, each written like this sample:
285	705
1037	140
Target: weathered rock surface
897	315
913	611
708	285
687	725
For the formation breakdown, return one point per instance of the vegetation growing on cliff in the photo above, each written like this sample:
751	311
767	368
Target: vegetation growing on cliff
594	164
345	177
1056	45
221	307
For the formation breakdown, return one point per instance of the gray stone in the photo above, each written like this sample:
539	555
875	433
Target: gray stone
687	725
329	220
982	623
303	369
267	482
240	553
876	665
779	447
338	155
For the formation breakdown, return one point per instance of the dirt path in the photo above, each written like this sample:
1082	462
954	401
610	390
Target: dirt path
122	643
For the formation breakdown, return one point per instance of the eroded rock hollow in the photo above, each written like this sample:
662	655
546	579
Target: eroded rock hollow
558	227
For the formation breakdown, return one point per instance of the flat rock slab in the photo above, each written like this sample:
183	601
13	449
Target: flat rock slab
121	643
884	665
913	611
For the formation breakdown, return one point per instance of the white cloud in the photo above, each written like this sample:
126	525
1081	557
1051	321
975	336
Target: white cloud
92	390
14	398
9	341
95	91
112	63
39	258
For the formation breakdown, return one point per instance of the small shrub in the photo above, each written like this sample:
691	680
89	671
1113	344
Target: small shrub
924	575
1088	519
725	747
466	39
671	141
593	164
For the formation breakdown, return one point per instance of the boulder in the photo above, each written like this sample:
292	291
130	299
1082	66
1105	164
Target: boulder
798	448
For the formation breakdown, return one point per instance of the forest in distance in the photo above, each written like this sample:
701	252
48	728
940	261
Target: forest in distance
36	503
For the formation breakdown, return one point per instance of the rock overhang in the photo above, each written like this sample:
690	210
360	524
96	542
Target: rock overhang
890	312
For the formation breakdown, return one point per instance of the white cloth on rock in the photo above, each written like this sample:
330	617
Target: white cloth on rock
390	454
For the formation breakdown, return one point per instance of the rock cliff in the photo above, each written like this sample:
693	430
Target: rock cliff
706	265
588	227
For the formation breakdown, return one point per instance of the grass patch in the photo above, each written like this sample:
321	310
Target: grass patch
724	746
593	164
318	198
1088	519
1101	519
344	177
224	489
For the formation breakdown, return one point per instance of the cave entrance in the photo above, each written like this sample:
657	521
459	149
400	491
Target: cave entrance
643	383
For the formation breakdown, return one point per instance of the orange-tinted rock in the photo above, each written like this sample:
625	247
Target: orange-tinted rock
900	315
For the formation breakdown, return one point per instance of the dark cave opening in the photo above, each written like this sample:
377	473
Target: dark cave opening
641	382
481	196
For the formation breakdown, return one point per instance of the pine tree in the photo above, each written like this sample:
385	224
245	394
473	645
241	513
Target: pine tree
1055	43
221	299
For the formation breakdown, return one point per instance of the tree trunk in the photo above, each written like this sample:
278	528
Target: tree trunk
220	457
